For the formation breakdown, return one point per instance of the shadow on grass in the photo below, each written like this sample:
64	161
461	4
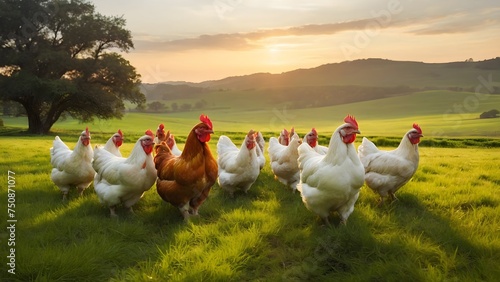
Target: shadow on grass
403	240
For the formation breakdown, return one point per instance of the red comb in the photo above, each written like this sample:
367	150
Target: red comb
419	130
150	133
350	119
206	120
87	131
314	131
120	132
161	126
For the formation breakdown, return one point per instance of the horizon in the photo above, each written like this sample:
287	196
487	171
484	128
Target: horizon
264	72
195	42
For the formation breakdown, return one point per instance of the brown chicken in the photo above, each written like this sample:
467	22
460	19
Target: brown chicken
185	180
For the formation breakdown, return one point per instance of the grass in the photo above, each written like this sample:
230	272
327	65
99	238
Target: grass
444	227
439	113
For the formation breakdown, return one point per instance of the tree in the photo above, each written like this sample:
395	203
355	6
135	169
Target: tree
186	107
175	107
58	57
490	114
156	106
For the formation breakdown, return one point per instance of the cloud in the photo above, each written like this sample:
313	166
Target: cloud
433	24
459	22
249	40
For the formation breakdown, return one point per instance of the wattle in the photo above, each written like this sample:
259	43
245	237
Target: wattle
148	149
415	140
349	138
204	138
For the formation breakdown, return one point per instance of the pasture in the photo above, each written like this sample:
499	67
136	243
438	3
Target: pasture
439	113
444	227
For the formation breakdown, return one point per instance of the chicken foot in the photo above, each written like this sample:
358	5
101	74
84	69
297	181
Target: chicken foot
112	211
185	211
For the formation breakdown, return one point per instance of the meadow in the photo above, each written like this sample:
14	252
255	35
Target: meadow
444	227
439	113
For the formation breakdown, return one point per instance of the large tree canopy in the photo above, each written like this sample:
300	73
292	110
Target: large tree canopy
59	57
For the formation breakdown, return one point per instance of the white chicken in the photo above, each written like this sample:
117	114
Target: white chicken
72	168
387	171
261	143
332	182
284	137
238	168
124	180
170	140
113	144
311	138
284	161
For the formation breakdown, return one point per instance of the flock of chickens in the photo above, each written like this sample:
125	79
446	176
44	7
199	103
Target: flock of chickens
328	178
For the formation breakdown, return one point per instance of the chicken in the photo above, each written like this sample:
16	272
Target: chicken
124	180
261	143
332	182
172	144
284	137
185	181
114	143
161	136
238	168
387	171
284	161
72	168
311	138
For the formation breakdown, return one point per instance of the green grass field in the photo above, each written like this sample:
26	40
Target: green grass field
444	227
439	113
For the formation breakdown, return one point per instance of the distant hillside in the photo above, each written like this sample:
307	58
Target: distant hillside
335	84
165	91
369	72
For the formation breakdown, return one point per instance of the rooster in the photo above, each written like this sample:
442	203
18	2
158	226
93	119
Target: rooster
311	138
72	168
331	182
124	180
261	143
284	161
161	136
387	171
185	181
238	168
114	143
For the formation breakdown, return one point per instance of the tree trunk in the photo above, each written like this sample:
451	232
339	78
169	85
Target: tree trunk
36	125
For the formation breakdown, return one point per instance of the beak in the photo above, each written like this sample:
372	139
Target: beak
209	131
421	135
357	131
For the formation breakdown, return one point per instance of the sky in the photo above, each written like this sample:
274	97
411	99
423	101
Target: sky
199	40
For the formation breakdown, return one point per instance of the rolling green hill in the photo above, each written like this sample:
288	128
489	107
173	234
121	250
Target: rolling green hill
333	84
440	113
386	97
